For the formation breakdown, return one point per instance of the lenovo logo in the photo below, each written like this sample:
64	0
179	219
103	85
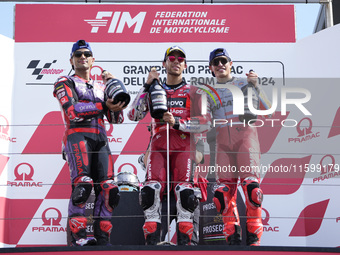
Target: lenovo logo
116	21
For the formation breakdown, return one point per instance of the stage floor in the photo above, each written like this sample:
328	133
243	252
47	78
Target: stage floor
180	250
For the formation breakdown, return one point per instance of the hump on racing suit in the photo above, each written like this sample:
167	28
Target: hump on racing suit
222	106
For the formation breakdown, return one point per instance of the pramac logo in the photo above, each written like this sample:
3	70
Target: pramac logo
109	128
304	130
127	166
51	221
265	222
4	128
328	168
24	178
109	133
51	218
96	73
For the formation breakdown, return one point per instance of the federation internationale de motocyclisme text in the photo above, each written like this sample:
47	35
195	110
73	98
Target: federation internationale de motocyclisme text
292	168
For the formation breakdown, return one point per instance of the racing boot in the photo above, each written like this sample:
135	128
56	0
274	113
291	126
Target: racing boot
152	232
232	232
77	225
184	232
225	201
102	230
254	232
254	198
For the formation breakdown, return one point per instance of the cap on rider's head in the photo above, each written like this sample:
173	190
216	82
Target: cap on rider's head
80	44
172	49
218	53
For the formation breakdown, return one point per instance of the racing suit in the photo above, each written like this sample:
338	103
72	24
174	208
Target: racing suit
88	155
185	103
237	156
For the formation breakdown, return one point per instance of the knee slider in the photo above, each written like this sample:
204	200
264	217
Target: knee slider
252	189
82	190
149	193
111	193
222	197
185	193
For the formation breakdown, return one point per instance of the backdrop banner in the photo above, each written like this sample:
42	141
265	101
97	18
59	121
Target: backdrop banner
300	158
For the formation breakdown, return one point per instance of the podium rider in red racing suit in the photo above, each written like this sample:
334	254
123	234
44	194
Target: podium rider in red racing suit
184	116
238	147
85	145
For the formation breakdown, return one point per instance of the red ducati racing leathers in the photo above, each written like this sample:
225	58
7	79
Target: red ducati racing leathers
237	158
186	104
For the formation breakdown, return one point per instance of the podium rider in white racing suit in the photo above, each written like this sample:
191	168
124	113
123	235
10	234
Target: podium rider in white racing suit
237	146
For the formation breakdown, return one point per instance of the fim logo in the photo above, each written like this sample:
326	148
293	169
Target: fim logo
118	20
265	220
51	218
45	69
22	178
4	128
304	132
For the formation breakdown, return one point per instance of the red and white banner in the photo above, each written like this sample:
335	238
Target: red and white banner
155	23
